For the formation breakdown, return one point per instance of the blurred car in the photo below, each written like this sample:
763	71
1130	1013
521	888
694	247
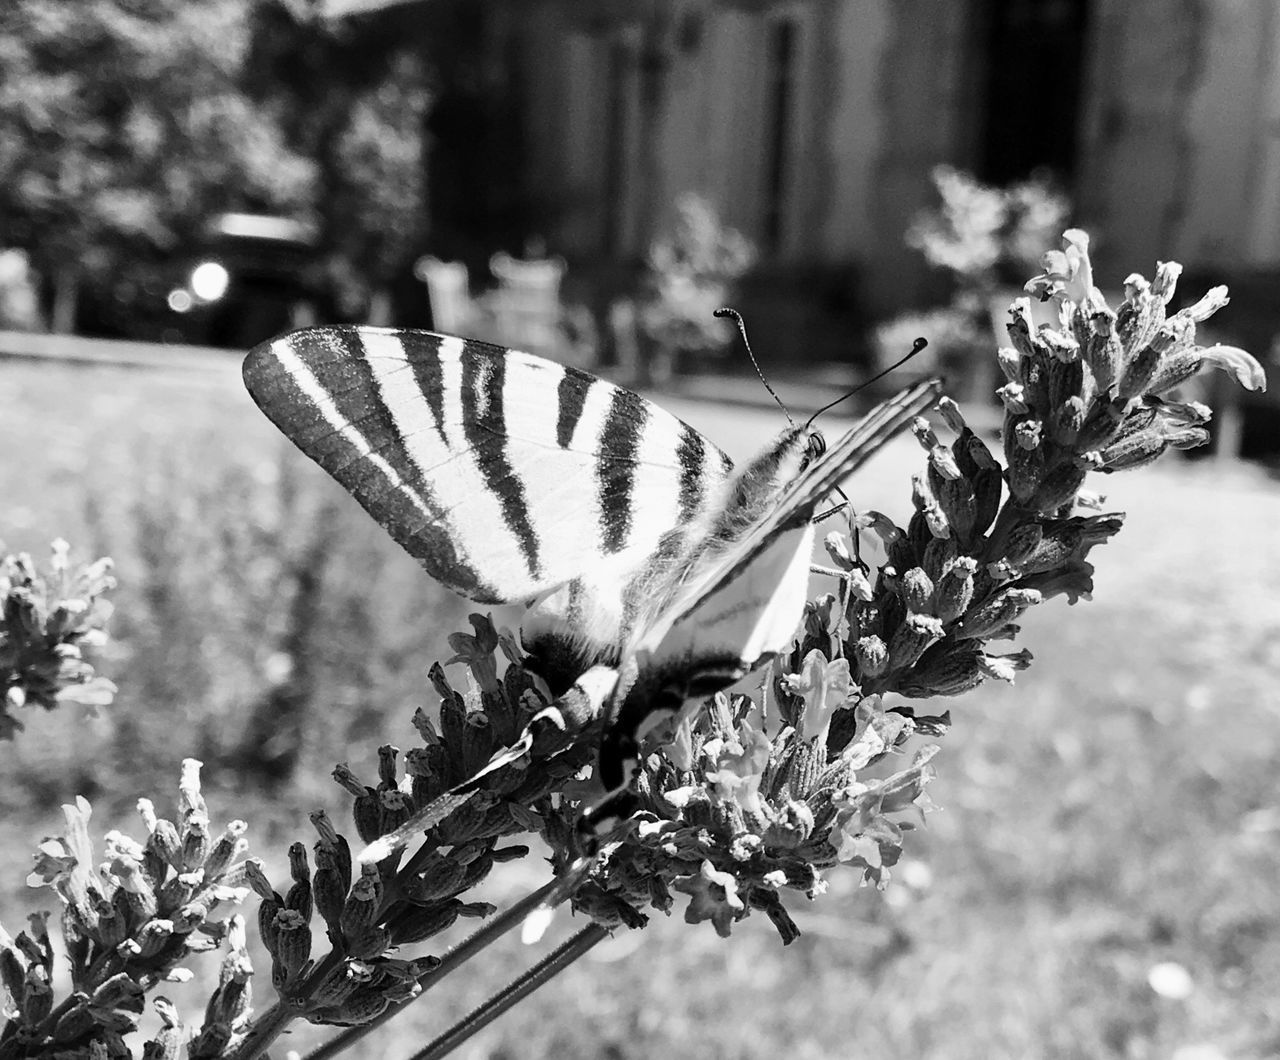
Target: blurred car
250	277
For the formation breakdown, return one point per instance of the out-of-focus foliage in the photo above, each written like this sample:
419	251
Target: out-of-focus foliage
122	127
983	235
692	267
378	175
355	94
985	238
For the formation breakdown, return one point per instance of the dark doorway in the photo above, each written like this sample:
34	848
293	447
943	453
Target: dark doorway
1034	75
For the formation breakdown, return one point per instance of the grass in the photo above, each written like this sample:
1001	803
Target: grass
1116	810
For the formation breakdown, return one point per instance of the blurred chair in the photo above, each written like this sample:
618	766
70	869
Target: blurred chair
452	309
526	304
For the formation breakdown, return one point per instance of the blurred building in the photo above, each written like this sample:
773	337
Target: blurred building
813	125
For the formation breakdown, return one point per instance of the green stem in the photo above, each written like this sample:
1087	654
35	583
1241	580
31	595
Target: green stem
542	972
550	894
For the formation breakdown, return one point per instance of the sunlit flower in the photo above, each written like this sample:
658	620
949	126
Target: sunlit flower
713	895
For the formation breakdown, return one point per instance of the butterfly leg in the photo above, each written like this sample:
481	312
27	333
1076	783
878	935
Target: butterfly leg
835	509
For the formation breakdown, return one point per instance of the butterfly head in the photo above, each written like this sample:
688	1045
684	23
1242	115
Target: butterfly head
815	446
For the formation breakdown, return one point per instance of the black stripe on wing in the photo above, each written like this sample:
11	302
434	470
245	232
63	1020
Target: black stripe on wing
335	358
483	421
616	467
430	380
571	399
691	452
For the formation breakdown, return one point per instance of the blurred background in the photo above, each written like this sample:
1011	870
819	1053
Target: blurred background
588	179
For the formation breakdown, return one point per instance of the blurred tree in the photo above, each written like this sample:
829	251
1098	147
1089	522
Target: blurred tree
122	128
354	95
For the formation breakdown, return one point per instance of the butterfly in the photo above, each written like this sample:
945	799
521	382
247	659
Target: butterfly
651	570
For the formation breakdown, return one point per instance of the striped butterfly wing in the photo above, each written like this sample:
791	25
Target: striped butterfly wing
506	475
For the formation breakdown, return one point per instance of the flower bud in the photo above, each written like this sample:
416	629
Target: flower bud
225	850
361	1007
338	984
165	842
999	611
195	843
13	970
76	1024
119	991
111	928
293	942
948	669
363	902
346	777
793	826
958	504
917	590
366	812
911	639
1138	373
1004	667
387	778
955	589
928	506
453	719
1066	420
1011	364
153	936
1014	398
939	554
477	742
190	917
1058	488
36	999
1026	469
439	877
425	727
268	930
942	461
424	921
872	656
1102	350
368	942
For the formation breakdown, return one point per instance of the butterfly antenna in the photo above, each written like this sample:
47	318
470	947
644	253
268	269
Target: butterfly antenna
916	347
742	330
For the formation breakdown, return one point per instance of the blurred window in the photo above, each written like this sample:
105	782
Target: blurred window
1034	75
782	76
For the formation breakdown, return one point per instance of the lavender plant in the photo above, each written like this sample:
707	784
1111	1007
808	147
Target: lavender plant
128	923
48	620
748	806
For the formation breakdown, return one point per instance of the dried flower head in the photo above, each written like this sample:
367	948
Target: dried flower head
130	919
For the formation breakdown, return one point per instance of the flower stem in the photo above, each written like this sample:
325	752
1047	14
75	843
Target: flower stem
542	972
267	1027
550	894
